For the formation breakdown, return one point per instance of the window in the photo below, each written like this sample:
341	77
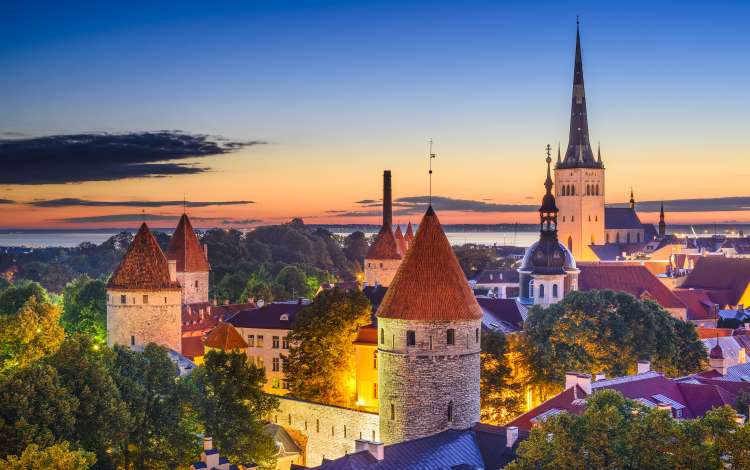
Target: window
573	190
132	340
570	243
450	411
375	359
165	300
275	364
617	237
145	299
411	338
638	237
345	431
284	342
628	237
123	299
381	265
317	425
589	218
275	342
375	390
572	218
451	337
563	218
382	336
393	412
333	430
290	419
259	341
607	237
430	342
541	291
476	333
305	425
531	288
251	341
554	290
373	435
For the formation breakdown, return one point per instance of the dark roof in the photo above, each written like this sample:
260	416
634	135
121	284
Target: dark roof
608	252
384	246
267	316
493	444
699	304
501	310
430	284
144	266
225	337
621	218
649	232
204	316
635	280
726	278
495	276
185	249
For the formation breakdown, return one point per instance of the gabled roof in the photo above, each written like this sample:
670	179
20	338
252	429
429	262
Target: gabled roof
430	284
635	280
621	218
400	241
384	246
367	336
498	311
567	400
185	249
409	236
278	316
144	266
699	304
225	337
728	277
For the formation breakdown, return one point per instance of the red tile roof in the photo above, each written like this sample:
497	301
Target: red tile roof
367	335
225	337
728	278
707	333
192	346
385	246
204	316
698	303
144	266
635	280
186	250
430	284
400	241
409	236
562	401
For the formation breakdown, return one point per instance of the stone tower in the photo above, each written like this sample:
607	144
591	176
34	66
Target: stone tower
384	257
192	263
580	178
548	270
429	327
144	298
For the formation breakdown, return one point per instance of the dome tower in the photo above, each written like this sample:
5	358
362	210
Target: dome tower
429	327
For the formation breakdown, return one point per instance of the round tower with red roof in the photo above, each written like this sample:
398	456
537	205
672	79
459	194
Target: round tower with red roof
191	261
384	256
144	298
429	332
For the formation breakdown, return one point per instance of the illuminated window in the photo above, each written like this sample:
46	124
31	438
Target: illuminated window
275	342
145	299
451	336
284	342
411	338
259	342
275	364
251	341
375	390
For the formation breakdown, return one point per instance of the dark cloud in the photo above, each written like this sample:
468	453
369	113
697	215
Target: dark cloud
12	134
357	213
67	202
6	201
718	204
335	212
77	158
418	204
241	222
367	201
125	218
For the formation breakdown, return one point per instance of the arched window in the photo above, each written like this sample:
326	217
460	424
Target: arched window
617	237
382	336
588	190
638	237
607	237
531	288
572	190
628	237
570	243
541	291
554	290
597	189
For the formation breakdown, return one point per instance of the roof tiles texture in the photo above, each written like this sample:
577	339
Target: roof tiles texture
430	284
384	246
635	280
621	218
699	304
185	249
144	266
225	337
279	316
400	241
726	278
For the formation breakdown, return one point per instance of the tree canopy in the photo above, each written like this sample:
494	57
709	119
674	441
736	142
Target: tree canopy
321	352
56	457
501	396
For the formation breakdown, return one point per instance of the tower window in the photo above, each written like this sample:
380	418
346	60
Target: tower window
573	190
554	290
317	425
411	338
375	390
450	411
145	299
393	412
572	218
382	336
375	359
123	299
451	337
132	340
196	284
476	332
541	290
430	342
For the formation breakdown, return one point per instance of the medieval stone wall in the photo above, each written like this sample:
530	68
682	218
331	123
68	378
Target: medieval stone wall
330	431
431	386
144	317
194	287
380	271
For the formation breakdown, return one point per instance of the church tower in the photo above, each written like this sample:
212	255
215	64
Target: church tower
429	336
579	178
191	262
144	298
662	223
384	256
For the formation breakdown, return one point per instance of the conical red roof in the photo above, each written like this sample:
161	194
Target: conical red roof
144	266
400	241
185	248
384	246
430	284
409	233
225	337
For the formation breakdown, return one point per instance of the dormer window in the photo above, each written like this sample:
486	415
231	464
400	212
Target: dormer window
284	317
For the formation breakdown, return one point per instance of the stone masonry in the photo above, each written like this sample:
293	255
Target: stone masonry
194	287
144	317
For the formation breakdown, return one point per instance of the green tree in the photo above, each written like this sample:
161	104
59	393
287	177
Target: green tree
102	417
56	457
605	331
355	247
232	406
85	307
260	291
501	397
161	431
35	408
476	258
294	282
28	334
13	298
321	352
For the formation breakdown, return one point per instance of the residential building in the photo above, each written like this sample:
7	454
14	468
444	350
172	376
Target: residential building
499	283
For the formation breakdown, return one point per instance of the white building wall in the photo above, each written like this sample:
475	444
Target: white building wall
263	355
581	216
380	271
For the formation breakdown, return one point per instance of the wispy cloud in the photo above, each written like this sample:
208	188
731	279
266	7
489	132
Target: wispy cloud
125	218
718	204
241	221
6	201
68	202
77	158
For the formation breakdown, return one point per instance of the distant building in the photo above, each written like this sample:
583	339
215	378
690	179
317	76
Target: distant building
191	263
498	283
506	315
212	460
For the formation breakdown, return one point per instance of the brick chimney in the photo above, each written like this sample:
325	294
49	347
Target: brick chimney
643	366
387	202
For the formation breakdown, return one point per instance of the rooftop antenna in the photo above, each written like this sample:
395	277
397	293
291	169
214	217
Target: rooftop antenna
184	203
431	155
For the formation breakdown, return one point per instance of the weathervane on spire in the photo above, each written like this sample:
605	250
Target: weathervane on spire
431	156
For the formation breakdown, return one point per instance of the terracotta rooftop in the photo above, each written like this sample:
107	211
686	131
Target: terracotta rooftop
144	266
385	245
699	304
186	250
409	235
367	335
430	284
225	337
635	280
728	277
400	241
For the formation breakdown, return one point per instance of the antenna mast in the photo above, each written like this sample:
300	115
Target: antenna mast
431	156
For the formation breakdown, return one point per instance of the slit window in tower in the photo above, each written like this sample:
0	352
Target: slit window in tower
132	340
375	359
411	338
145	299
382	336
123	299
451	337
450	411
476	333
393	412
554	290
541	291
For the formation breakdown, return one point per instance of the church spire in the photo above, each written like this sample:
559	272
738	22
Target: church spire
548	210
662	223
632	199
578	153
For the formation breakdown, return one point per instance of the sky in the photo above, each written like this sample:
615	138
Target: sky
257	112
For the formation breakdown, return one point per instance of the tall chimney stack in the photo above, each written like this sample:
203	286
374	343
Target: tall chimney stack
387	203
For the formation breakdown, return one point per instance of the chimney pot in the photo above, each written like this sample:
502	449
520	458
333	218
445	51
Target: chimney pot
208	443
387	202
643	366
511	436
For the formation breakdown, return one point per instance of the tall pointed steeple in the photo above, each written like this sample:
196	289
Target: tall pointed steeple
632	199
662	223
578	153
